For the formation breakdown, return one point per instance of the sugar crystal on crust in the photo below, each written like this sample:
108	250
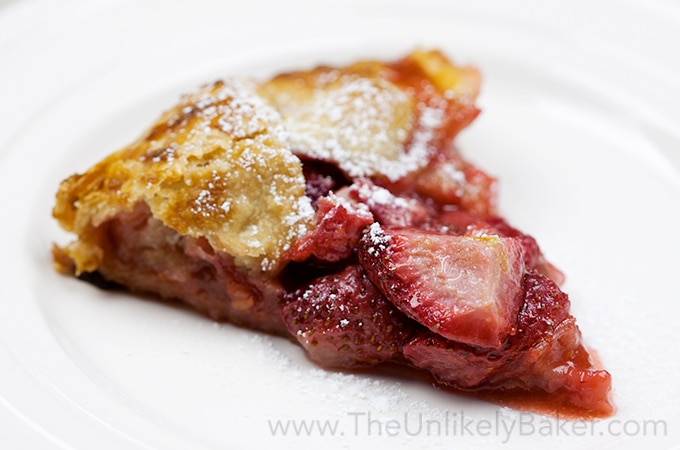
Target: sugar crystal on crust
362	124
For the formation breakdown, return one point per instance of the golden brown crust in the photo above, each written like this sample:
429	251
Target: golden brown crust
216	166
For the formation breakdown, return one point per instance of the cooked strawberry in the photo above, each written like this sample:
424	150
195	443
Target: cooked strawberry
547	342
388	209
462	222
339	224
450	180
342	320
455	181
467	289
533	257
544	306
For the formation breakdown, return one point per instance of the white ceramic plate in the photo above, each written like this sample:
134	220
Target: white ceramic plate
580	123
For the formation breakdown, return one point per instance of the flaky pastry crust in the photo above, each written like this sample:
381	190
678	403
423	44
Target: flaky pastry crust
216	166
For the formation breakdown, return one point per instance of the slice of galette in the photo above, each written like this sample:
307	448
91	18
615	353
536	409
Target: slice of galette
330	205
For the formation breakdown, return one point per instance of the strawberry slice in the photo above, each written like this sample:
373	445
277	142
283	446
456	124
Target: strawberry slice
339	225
455	181
467	289
462	222
533	257
388	209
342	320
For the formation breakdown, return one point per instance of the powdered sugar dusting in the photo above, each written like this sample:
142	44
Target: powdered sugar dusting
379	240
237	110
334	391
204	204
388	209
430	119
377	196
354	208
452	171
361	124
